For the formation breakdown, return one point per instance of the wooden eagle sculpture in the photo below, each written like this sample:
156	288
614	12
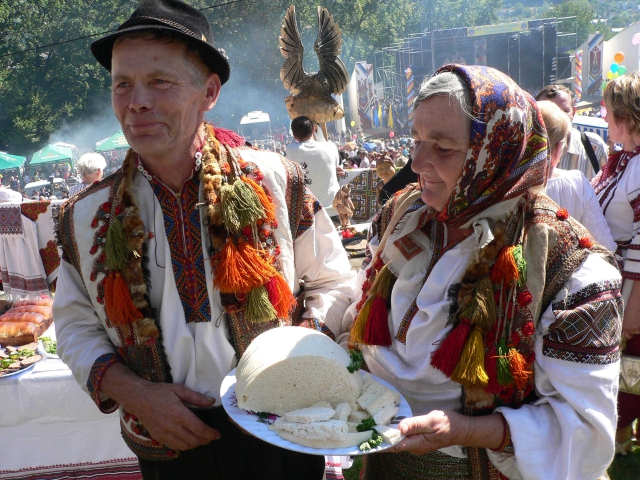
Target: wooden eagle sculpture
311	92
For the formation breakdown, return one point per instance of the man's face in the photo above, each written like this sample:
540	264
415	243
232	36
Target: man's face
565	103
154	96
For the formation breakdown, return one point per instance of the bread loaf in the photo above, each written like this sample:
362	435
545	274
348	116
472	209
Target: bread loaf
42	302
45	311
18	317
289	368
19	333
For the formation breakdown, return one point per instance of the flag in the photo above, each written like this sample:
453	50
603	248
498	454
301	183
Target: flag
390	120
376	118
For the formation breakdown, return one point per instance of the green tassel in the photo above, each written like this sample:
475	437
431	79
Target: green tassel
229	202
504	373
259	308
250	210
521	264
481	311
116	248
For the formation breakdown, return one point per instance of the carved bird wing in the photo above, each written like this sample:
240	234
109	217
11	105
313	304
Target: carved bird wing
292	50
327	48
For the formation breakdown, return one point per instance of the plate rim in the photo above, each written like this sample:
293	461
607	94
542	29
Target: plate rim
18	372
228	387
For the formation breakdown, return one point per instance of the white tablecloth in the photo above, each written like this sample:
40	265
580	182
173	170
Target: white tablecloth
51	429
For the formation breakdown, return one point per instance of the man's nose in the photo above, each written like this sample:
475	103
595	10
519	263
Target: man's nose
140	98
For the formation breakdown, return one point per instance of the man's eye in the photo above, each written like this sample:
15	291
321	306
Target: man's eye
120	87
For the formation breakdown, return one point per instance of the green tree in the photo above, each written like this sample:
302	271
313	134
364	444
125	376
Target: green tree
584	15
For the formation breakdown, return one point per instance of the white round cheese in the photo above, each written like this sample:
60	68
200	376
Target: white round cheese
289	368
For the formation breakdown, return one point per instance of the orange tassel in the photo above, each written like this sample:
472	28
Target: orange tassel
118	305
519	369
376	331
280	296
241	268
491	367
505	268
267	204
446	357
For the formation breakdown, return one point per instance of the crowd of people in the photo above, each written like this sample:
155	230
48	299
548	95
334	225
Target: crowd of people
498	283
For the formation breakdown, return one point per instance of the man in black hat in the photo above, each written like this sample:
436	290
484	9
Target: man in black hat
150	315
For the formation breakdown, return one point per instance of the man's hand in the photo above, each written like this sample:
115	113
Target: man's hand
340	172
160	407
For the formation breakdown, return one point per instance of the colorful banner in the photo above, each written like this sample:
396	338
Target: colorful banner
411	94
494	29
595	65
364	78
578	76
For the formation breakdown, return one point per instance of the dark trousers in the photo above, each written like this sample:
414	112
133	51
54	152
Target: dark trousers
628	403
235	456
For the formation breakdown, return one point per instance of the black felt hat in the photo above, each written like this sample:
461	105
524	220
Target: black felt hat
171	16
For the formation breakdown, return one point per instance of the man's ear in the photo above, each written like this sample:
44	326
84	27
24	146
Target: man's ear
212	92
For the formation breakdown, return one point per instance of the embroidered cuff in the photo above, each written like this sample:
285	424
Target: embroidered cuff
105	404
506	446
318	325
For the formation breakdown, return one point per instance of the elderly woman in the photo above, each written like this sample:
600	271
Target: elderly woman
618	189
90	166
570	188
385	170
491	310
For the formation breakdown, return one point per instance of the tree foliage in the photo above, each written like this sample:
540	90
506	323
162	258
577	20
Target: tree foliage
584	15
50	86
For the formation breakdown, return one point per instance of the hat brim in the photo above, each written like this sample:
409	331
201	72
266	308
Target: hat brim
102	49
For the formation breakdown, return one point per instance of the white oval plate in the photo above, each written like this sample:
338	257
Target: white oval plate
260	427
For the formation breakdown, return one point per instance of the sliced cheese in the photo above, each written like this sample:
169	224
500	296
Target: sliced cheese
310	414
343	410
385	415
327	430
389	435
358	416
352	439
322	403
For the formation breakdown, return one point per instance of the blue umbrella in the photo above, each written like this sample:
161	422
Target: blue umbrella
369	147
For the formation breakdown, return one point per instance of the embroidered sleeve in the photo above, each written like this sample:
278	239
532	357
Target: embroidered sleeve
587	325
65	235
631	269
98	369
310	206
315	324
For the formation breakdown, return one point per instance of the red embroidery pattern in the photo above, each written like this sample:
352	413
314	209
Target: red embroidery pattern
50	257
32	210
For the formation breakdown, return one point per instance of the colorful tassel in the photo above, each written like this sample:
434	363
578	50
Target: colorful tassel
470	367
447	356
118	305
267	204
519	369
228	201
376	331
504	374
259	308
247	203
383	283
521	264
481	311
280	296
357	330
116	248
241	268
505	269
491	367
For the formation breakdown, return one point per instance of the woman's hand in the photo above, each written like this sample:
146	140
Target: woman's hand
439	429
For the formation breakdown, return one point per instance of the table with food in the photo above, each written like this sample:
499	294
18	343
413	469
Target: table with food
51	427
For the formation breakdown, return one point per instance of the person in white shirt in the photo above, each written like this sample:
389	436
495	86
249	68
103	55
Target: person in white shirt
569	188
8	195
321	160
91	167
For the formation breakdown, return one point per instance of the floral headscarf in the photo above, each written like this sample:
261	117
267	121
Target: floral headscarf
508	152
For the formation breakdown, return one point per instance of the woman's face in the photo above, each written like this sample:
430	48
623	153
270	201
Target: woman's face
617	130
385	171
441	132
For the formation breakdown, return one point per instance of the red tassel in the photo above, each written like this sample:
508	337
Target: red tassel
280	296
491	366
227	137
118	305
376	331
446	357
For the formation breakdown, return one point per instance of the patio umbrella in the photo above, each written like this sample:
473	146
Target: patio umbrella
51	153
8	161
114	142
369	146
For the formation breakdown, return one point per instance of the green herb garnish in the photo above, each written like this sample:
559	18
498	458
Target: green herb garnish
366	424
50	346
357	360
375	441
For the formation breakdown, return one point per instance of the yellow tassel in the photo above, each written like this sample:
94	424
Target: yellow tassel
383	283
259	308
359	324
519	369
481	311
470	368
